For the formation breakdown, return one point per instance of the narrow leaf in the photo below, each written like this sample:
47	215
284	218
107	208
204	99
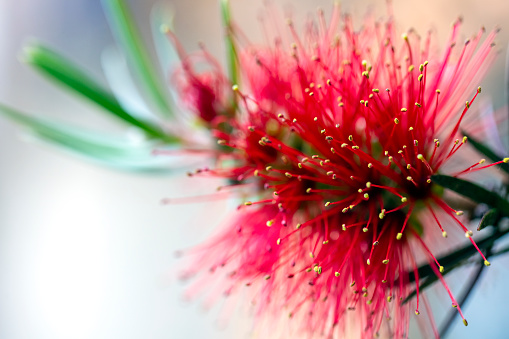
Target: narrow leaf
231	51
71	76
123	25
488	219
483	149
473	192
452	259
117	152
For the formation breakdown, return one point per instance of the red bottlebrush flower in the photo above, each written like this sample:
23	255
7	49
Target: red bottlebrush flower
339	133
204	93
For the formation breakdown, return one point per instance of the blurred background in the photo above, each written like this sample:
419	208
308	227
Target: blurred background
87	251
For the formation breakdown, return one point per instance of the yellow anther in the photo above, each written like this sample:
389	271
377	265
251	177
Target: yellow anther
368	184
336	274
487	263
269	223
396	121
278	241
298	226
365	229
468	234
403	199
417	312
370	165
441	269
327	203
385	261
459	213
343	227
506	160
399	236
420	157
389	299
465	322
404	109
409	178
366	196
444	234
368	262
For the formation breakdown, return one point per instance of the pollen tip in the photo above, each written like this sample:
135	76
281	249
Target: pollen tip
468	234
417	312
269	223
235	87
278	241
441	269
248	203
365	229
385	261
396	121
465	322
389	299
506	160
336	274
368	262
487	263
399	236
459	213
404	199
444	234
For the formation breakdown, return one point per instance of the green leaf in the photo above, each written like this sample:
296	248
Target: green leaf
483	149
123	25
71	76
456	257
231	51
473	192
488	219
117	152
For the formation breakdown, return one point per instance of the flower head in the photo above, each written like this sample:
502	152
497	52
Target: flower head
338	132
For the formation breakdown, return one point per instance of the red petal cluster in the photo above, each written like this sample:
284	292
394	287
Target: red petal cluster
338	133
